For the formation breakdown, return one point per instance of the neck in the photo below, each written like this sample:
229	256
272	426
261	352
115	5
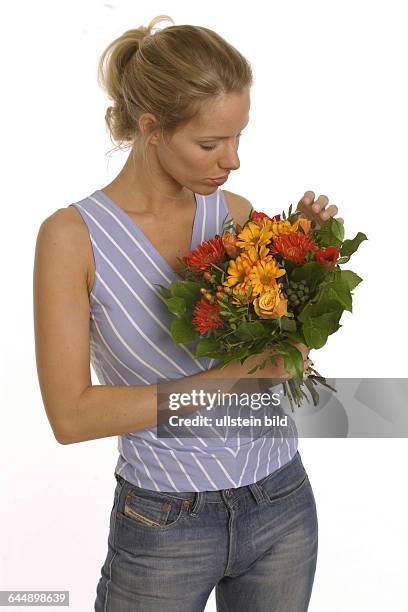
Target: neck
144	189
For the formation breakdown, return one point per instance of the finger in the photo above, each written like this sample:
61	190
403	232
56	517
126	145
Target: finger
329	212
320	203
339	219
308	198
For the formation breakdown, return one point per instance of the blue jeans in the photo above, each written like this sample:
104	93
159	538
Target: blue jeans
256	544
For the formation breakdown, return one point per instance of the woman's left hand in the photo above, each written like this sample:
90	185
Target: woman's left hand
316	209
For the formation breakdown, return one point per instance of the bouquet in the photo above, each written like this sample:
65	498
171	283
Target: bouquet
259	287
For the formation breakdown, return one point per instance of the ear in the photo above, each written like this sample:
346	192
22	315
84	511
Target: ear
148	125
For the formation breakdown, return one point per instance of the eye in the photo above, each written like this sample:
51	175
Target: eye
210	148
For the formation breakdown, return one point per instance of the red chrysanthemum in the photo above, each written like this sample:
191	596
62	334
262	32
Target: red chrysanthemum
207	316
328	256
208	252
294	246
256	216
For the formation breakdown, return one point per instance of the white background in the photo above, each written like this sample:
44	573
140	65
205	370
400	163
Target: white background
328	114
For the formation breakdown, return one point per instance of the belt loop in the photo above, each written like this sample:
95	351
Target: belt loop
257	491
198	503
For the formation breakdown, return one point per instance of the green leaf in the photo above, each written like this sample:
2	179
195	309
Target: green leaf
325	304
206	346
350	246
250	331
288	324
351	278
342	260
337	229
176	305
183	331
339	290
188	290
292	360
317	329
313	273
165	291
328	234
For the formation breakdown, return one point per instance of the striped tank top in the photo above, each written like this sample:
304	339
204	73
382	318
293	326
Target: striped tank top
131	344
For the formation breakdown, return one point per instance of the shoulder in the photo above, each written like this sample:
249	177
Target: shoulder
239	206
64	224
64	235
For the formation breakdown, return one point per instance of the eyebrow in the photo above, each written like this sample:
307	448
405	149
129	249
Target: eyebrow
221	137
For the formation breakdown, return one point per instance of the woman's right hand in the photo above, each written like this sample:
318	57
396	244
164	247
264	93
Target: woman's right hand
237	370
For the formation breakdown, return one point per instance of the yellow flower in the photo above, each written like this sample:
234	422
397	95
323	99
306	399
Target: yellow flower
253	235
278	228
252	255
237	272
239	293
264	274
271	304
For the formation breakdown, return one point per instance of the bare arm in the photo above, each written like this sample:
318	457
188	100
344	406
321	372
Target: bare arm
77	410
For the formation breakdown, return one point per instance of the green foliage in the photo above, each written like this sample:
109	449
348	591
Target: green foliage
182	331
176	305
313	273
188	290
350	246
250	331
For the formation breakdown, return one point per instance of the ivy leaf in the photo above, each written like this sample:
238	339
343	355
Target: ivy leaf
208	347
339	290
350	246
351	278
250	331
188	290
325	304
312	272
165	291
288	324
176	305
183	331
292	360
317	329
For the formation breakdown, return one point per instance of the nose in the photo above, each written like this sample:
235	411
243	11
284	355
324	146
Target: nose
230	160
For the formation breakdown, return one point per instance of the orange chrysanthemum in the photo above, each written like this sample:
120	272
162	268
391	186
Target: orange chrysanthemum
207	316
207	253
294	246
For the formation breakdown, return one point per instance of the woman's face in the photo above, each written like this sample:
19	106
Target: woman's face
207	146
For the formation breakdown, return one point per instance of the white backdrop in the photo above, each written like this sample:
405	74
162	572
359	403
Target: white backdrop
328	114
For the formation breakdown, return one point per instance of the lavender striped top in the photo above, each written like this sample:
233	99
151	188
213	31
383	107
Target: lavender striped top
131	344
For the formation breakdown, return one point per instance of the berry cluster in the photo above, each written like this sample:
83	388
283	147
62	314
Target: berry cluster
297	293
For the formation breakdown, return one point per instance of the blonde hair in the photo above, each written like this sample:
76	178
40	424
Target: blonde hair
170	74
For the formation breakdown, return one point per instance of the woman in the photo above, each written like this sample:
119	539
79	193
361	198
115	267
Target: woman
189	514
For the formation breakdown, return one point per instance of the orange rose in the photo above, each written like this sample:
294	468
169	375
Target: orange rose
305	224
229	243
271	304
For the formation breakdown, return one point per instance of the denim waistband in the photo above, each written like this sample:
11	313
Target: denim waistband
221	495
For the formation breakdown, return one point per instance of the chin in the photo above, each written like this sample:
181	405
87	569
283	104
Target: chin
209	189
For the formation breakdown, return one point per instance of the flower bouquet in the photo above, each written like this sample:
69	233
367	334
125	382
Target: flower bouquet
259	287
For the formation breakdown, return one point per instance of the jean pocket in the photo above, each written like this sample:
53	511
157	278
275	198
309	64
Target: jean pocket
285	483
149	510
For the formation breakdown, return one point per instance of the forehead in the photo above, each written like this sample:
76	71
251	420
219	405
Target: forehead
225	113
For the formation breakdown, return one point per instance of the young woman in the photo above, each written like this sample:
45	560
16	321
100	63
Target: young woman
189	514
